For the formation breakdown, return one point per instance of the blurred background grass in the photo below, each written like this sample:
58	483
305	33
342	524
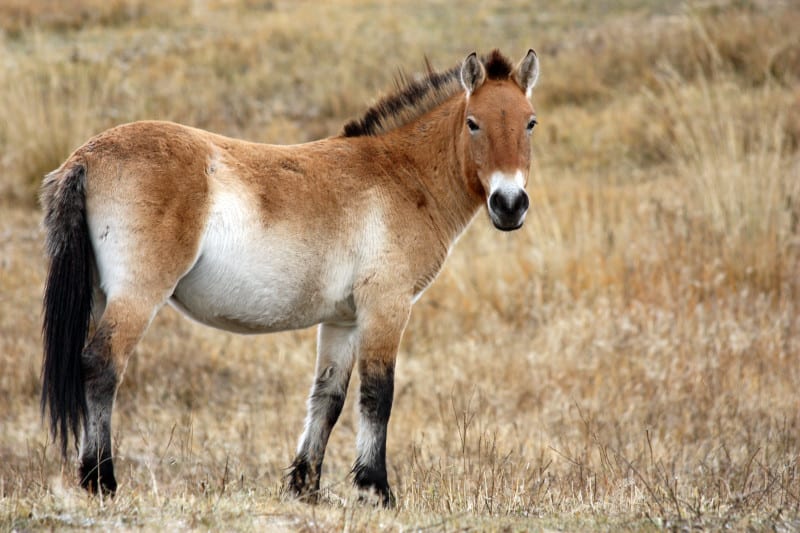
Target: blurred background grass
628	359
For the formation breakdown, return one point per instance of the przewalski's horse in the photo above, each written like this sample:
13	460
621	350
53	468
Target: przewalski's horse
345	232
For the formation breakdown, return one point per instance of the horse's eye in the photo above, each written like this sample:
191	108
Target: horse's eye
472	125
532	123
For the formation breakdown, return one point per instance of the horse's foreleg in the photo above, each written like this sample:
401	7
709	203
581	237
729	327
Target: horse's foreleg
380	339
335	356
103	364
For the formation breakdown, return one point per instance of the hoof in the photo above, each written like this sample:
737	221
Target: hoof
374	486
301	483
373	496
98	479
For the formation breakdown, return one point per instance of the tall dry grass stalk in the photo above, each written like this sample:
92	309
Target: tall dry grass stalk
740	171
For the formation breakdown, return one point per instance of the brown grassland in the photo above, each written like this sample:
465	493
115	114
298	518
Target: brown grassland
630	359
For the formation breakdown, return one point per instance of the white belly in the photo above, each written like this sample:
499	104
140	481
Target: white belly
252	279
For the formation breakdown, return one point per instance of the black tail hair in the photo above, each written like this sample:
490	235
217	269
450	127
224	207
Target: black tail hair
67	301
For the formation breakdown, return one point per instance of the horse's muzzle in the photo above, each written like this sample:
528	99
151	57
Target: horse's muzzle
507	208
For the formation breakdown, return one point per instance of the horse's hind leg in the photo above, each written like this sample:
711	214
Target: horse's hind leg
336	346
103	363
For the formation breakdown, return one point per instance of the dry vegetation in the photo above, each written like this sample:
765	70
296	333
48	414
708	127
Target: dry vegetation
628	360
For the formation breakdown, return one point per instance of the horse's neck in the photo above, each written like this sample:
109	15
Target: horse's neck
432	142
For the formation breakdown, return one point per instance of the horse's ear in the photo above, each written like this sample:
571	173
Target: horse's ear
473	74
527	72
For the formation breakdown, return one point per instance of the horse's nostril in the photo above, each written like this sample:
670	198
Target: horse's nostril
496	203
521	202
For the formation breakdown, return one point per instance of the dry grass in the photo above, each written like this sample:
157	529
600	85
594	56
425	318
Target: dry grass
629	360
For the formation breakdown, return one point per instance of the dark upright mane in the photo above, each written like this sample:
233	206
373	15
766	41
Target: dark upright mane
415	96
498	67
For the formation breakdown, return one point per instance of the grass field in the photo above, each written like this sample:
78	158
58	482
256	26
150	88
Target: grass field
629	360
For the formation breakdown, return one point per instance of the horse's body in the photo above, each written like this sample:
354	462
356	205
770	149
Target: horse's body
345	232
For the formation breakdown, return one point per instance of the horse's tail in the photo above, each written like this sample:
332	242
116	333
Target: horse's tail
67	300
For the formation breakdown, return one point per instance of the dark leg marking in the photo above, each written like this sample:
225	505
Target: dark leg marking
325	406
97	468
98	471
303	479
369	471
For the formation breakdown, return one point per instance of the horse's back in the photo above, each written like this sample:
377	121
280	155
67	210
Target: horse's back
157	167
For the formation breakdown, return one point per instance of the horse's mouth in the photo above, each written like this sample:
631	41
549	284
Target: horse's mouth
506	227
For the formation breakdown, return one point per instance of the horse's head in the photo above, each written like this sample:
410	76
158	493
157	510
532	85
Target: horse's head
496	131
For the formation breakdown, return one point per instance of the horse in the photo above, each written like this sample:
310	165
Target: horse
345	233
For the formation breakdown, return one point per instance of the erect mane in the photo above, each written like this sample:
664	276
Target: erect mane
498	67
415	96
